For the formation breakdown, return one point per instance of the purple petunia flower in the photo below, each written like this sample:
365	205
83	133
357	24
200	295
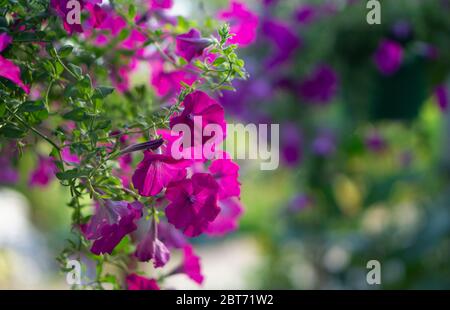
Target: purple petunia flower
137	282
389	57
191	44
324	144
442	97
227	220
111	221
156	171
151	248
320	86
193	203
291	144
8	69
44	172
226	173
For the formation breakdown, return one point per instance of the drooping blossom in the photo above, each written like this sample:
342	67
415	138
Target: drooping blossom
320	86
243	23
442	97
193	203
226	173
66	12
111	221
207	110
284	40
8	69
190	265
227	220
171	236
191	44
151	248
291	144
389	57
136	282
156	171
44	172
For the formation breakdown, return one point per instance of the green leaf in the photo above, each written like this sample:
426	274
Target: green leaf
219	61
12	131
33	106
77	70
102	92
71	174
65	50
77	114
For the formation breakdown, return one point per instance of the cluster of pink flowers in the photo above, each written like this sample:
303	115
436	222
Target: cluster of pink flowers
198	197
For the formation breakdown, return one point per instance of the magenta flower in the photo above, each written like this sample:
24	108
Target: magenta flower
111	221
168	83
193	203
69	157
320	86
197	104
135	40
243	23
156	171
44	172
191	44
151	248
8	69
389	57
226	173
191	265
227	220
60	6
136	282
160	4
5	41
442	97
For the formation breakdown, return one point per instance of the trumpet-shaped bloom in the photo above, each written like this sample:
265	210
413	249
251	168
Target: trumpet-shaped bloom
191	44
243	23
226	173
7	68
111	221
199	104
137	282
151	248
191	265
156	171
193	203
227	220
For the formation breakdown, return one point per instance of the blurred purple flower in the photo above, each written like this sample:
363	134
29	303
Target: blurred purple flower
44	172
191	44
291	144
324	144
306	14
442	97
389	57
375	142
8	175
320	86
284	40
402	30
299	203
